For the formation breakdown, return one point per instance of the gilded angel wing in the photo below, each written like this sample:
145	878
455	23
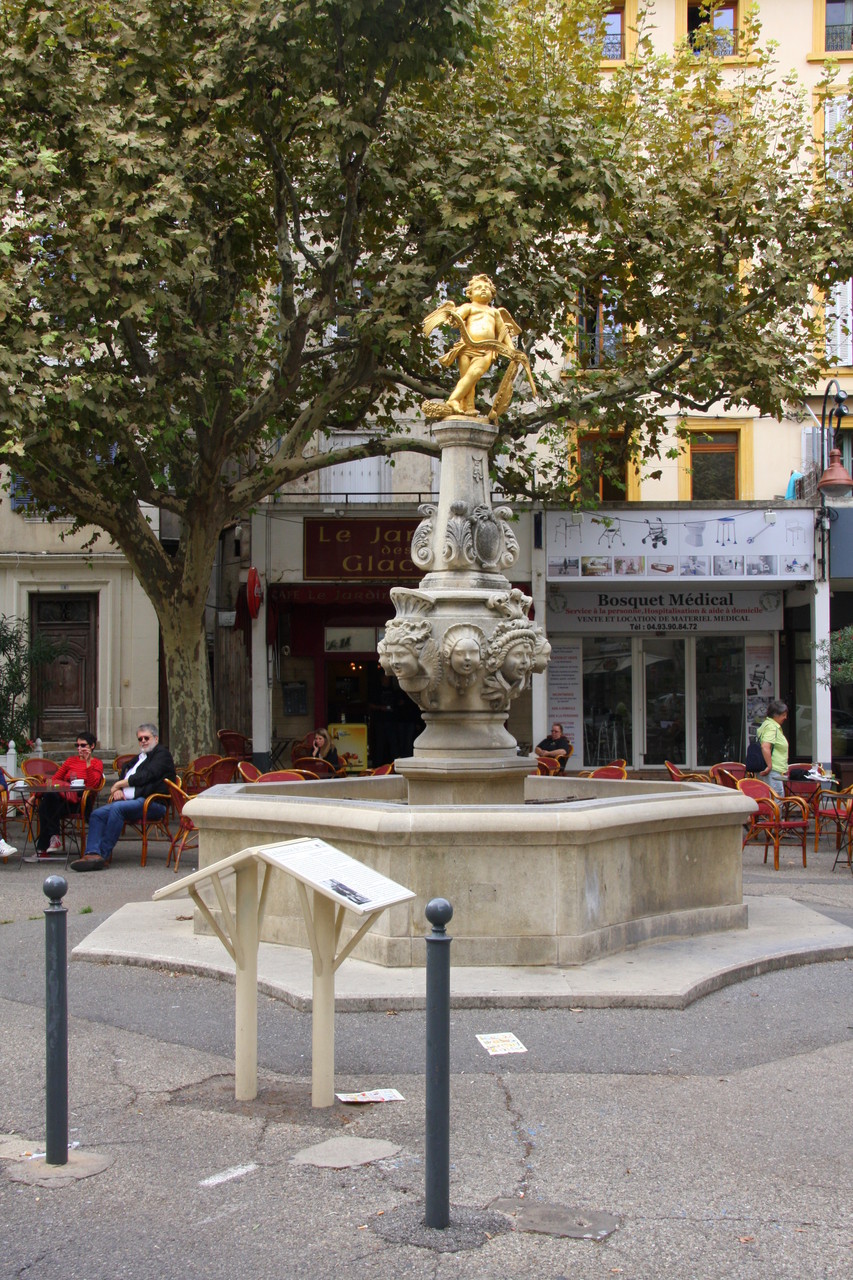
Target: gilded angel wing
437	317
512	328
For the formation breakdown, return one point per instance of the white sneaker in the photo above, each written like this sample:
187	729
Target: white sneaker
55	845
6	849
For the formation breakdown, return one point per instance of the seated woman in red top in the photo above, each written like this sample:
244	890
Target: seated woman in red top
83	768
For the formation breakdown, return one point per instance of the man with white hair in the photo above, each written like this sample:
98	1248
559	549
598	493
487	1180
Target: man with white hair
145	776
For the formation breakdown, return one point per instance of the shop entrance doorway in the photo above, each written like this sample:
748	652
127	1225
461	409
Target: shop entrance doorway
654	698
359	692
665	699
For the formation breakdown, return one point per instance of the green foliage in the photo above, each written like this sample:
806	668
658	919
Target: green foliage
21	657
223	221
835	658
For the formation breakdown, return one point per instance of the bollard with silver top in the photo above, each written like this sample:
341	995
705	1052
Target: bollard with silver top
437	1165
56	1021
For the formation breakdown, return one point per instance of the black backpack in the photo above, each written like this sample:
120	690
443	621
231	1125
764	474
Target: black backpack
755	762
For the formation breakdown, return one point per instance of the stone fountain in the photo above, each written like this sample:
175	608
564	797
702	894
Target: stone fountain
541	871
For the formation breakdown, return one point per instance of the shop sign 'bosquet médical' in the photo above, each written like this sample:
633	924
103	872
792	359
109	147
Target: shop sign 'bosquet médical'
664	612
359	550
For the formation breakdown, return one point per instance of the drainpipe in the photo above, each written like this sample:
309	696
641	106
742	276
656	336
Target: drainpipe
539	683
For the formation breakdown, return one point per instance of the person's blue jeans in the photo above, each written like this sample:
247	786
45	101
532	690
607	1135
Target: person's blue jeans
776	781
107	823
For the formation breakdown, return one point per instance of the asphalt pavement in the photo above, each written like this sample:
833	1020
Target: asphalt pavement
716	1137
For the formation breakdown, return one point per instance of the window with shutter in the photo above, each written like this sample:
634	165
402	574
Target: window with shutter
839	325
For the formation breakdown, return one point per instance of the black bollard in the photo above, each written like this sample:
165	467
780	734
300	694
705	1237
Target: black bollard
56	1021
437	1168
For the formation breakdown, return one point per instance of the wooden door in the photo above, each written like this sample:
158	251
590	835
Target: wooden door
66	690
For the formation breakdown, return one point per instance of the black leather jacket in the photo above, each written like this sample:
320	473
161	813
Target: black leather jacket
150	778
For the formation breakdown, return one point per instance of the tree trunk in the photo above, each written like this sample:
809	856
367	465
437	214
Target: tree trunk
191	731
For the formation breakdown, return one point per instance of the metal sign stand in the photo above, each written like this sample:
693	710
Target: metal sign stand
339	884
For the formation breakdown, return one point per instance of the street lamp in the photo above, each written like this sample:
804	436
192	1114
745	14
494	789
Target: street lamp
835	481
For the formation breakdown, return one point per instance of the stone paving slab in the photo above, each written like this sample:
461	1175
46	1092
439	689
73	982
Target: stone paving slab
669	973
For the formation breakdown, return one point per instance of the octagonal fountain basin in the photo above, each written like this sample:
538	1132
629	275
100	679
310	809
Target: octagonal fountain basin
583	868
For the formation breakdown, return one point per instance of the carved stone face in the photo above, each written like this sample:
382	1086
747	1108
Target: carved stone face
465	656
517	664
403	662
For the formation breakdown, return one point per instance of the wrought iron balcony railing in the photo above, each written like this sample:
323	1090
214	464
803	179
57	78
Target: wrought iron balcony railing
839	37
720	42
614	47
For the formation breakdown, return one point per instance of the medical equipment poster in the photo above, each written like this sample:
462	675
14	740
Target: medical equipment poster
759	655
681	545
565	693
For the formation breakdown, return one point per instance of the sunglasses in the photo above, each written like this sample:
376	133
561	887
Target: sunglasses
81	745
143	737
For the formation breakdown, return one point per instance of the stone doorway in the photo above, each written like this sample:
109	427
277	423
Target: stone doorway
66	691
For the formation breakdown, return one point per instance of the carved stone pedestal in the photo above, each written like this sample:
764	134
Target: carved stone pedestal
462	645
466	779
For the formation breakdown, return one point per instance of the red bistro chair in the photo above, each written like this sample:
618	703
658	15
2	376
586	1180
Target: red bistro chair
833	809
287	775
733	768
223	769
193	776
679	775
777	818
247	771
186	826
235	744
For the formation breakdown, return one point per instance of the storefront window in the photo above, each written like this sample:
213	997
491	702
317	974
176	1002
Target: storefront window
663	663
607	700
804	698
719	699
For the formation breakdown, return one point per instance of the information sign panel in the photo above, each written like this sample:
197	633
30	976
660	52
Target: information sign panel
323	867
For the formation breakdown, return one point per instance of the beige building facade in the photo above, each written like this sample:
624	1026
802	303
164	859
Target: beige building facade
329	548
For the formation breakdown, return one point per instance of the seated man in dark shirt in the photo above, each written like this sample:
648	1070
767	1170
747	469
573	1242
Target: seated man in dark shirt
145	776
557	747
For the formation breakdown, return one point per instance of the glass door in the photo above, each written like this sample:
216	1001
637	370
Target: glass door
606	700
664	677
720	683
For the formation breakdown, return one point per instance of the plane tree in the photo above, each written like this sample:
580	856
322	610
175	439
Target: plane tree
223	220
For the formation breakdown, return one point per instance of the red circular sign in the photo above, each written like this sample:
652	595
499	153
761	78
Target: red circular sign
254	593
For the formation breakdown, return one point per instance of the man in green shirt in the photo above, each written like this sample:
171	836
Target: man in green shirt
774	745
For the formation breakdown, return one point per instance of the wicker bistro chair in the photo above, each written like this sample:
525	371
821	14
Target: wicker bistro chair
247	771
13	806
224	769
776	819
316	765
733	768
607	771
287	775
193	776
679	775
547	767
36	771
235	744
723	778
808	788
833	810
186	826
149	825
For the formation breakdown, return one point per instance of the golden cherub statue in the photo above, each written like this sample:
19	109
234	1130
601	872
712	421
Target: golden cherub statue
486	332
